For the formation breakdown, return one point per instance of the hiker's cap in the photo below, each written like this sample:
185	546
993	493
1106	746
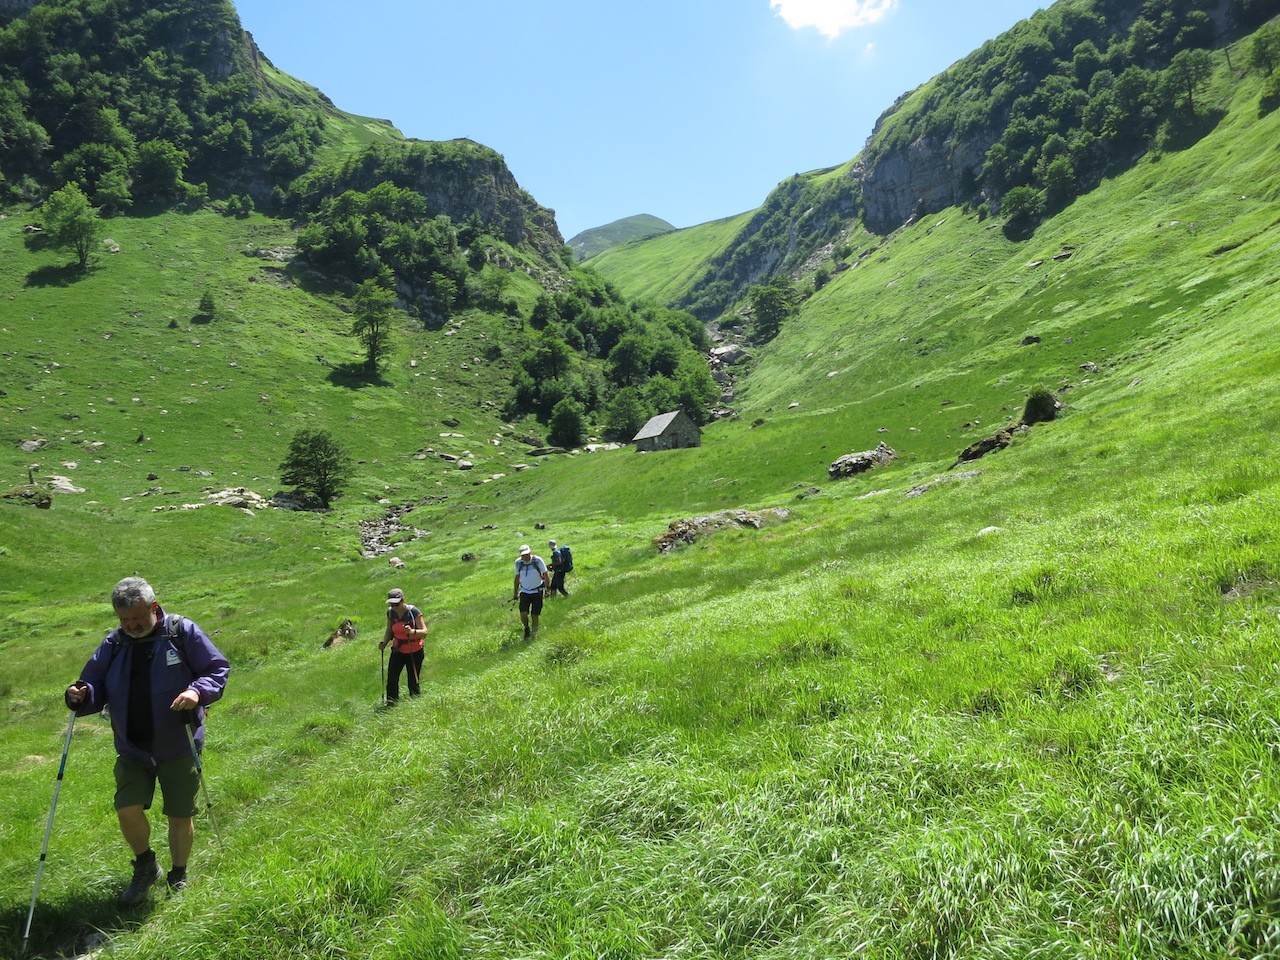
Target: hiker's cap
395	597
524	550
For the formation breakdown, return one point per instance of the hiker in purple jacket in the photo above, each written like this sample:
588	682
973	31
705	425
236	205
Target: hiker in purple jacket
157	672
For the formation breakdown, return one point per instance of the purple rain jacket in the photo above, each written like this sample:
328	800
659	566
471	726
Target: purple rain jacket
185	658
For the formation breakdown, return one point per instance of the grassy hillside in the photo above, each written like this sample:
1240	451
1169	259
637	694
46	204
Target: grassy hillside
1028	712
663	268
345	133
588	243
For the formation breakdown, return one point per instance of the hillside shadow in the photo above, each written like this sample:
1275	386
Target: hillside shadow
356	376
68	929
51	276
1016	231
1190	129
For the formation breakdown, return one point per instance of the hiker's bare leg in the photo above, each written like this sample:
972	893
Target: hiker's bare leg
182	834
136	828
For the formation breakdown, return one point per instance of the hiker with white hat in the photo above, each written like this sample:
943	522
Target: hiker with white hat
531	580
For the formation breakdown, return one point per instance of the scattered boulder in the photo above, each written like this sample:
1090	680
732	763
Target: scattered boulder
976	451
688	531
289	500
396	563
468	557
376	535
62	485
852	464
926	487
31	446
730	355
242	498
1030	340
29	495
346	631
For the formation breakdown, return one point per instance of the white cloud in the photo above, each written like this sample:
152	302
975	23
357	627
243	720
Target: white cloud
832	17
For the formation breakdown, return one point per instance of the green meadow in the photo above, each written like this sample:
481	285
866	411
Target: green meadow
1027	706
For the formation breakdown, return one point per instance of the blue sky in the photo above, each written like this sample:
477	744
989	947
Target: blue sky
689	110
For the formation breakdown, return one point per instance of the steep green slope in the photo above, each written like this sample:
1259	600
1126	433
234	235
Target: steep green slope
588	243
664	268
1027	712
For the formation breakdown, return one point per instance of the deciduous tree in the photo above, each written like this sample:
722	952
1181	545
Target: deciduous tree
317	465
568	425
71	222
373	304
1188	72
771	303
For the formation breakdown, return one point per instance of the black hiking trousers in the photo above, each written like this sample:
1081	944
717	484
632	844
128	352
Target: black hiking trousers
397	663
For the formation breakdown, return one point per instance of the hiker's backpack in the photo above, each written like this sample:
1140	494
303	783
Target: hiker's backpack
566	559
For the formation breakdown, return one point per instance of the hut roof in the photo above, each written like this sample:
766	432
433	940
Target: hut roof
656	426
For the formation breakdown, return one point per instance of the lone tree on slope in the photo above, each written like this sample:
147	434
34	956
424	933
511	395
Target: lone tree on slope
71	222
374	302
316	465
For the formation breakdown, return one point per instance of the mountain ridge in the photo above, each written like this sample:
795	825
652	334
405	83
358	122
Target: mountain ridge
587	243
920	159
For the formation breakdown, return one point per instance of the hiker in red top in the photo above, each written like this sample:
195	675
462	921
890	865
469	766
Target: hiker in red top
405	630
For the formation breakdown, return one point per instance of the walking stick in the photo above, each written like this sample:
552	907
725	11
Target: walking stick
190	721
48	828
384	675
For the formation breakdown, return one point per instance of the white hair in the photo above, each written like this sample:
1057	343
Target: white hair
129	591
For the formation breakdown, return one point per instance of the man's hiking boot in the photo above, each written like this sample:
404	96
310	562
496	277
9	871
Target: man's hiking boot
177	879
526	633
145	872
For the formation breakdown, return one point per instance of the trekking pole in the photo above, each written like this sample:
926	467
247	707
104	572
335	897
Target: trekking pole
384	675
48	828
189	722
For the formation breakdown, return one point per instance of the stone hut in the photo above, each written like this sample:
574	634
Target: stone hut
668	431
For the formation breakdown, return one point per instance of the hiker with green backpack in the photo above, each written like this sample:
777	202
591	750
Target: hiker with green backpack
156	672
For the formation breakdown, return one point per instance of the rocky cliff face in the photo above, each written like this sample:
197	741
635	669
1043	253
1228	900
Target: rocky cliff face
458	178
802	215
927	175
482	183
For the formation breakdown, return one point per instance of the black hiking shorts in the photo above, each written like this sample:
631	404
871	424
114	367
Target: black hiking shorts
531	603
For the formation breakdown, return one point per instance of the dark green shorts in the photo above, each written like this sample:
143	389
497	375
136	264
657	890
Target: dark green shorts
179	781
